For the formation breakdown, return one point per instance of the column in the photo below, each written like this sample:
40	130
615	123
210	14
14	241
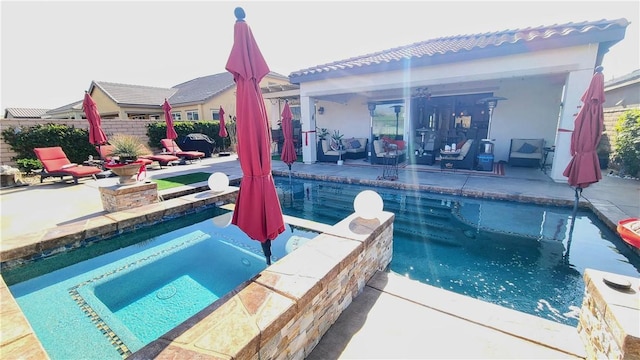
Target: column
575	86
308	121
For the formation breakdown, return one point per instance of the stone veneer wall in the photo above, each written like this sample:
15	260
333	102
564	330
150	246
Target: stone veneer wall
284	311
123	197
609	323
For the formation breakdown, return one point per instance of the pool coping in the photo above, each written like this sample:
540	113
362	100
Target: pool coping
182	200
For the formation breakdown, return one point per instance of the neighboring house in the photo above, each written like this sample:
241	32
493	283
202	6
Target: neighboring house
69	111
621	94
440	84
623	91
24	113
197	99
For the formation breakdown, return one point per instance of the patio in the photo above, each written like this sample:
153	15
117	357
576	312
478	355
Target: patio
459	321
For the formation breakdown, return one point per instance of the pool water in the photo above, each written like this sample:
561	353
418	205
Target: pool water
111	305
521	256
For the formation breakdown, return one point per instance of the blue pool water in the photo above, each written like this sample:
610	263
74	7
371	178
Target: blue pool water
108	305
520	256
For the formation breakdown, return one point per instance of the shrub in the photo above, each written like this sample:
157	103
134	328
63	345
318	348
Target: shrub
74	142
627	142
28	165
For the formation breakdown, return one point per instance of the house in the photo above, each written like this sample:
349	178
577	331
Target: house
69	111
24	113
197	99
538	75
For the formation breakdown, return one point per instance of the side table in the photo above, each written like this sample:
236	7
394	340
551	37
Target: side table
545	154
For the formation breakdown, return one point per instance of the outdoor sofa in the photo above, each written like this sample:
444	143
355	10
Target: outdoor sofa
464	160
526	152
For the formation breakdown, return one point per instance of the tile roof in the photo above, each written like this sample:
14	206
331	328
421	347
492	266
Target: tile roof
135	94
201	89
467	47
76	105
24	113
627	78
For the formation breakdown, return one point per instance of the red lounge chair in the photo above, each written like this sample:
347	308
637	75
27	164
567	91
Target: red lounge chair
56	164
173	148
163	160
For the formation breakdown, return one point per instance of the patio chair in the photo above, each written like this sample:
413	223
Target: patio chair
56	164
173	148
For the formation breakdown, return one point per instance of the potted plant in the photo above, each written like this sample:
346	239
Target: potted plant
337	138
125	150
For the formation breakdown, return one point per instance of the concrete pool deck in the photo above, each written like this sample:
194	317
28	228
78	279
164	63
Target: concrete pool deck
432	322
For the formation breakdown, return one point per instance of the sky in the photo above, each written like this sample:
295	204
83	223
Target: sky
51	51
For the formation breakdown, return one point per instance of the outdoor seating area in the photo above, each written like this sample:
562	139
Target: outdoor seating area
381	149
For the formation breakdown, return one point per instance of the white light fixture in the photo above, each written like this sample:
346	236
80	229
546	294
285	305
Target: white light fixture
368	204
218	182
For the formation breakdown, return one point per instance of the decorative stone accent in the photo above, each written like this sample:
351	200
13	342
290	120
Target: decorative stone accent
609	322
119	197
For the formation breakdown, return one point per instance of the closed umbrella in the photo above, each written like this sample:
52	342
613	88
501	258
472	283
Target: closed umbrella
96	134
223	129
288	155
257	211
168	118
584	167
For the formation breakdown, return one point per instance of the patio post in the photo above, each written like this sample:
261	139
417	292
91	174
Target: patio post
372	108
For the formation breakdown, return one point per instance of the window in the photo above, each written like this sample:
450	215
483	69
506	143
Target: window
215	114
177	115
192	115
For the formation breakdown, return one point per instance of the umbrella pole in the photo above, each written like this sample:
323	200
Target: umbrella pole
578	192
266	249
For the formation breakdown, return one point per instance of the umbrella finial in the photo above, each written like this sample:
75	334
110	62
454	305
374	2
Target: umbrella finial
599	69
239	13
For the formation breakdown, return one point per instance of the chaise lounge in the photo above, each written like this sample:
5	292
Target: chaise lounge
56	164
162	159
173	148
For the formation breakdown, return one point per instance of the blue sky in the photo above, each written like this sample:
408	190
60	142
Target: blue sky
51	50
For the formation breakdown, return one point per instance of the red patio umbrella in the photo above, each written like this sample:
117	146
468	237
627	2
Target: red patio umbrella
257	211
168	118
223	129
584	167
289	155
96	134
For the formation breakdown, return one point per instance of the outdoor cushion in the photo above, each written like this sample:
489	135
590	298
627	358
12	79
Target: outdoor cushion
325	146
527	148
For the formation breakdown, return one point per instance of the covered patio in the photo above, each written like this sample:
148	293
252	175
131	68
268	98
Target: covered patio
492	88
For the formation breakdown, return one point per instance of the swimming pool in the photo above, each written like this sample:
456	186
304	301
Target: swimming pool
511	254
105	303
